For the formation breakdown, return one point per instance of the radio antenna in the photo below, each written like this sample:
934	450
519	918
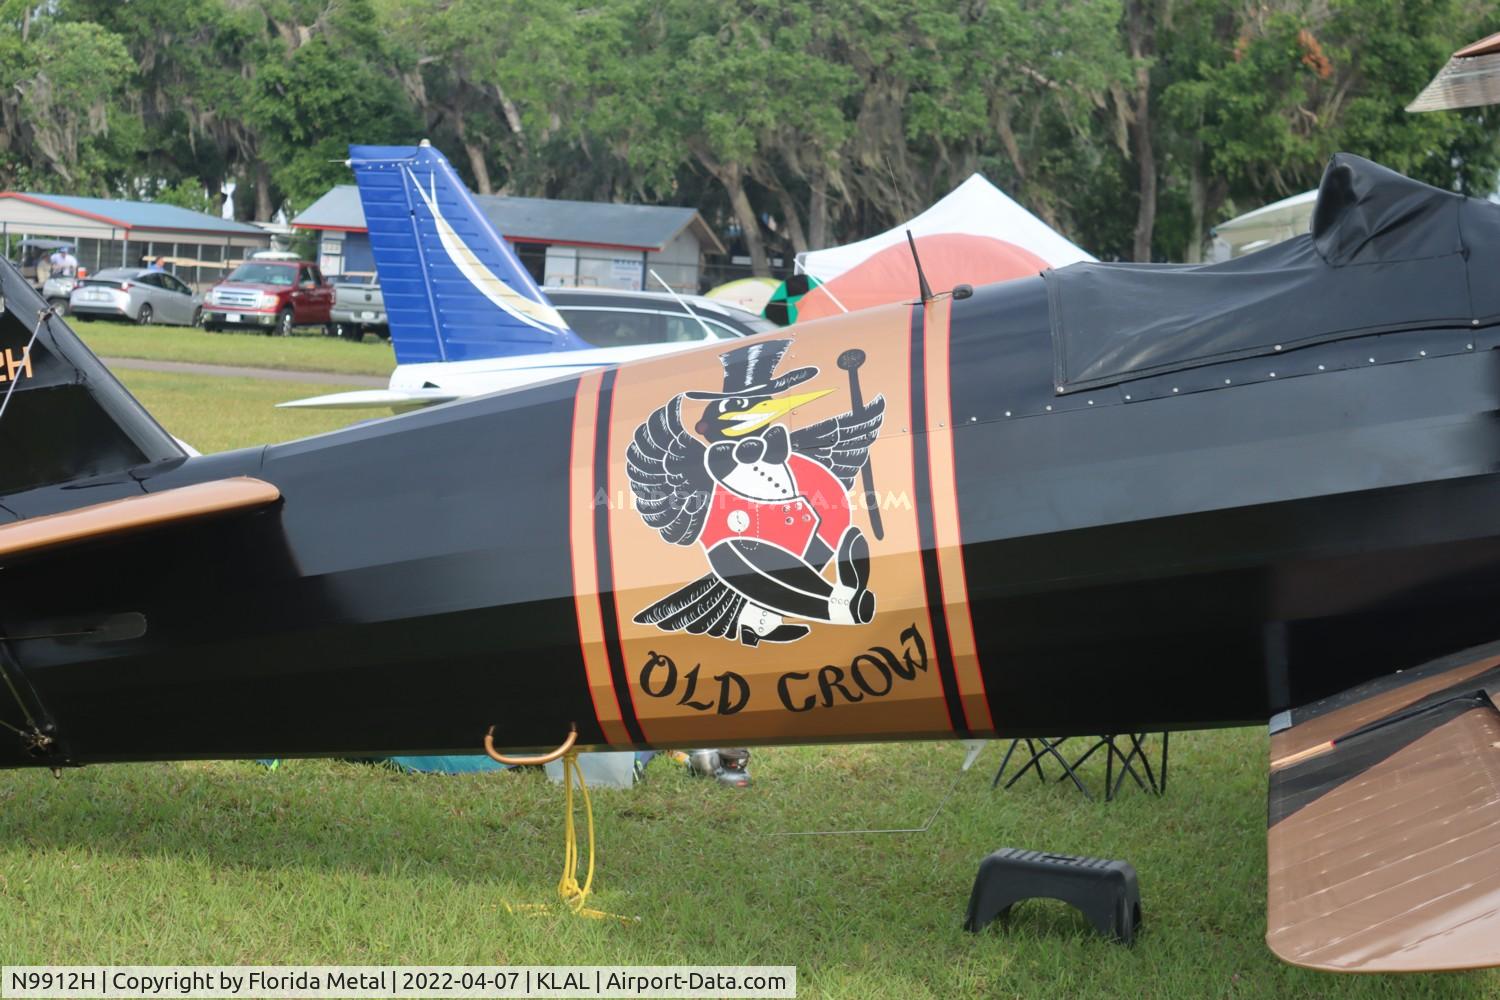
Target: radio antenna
921	277
707	333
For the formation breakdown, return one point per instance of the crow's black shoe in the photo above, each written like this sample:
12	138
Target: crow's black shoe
854	559
854	573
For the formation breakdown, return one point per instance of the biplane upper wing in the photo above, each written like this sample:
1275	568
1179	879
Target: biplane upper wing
1384	840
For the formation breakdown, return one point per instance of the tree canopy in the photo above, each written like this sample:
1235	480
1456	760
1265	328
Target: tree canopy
1130	125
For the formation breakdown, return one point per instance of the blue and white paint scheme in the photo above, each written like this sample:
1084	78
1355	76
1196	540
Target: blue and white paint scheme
465	316
453	288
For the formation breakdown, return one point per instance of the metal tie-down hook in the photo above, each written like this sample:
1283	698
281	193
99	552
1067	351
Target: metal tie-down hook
546	758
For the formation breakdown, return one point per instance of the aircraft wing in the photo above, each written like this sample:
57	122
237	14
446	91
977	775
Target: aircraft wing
396	399
1384	840
137	513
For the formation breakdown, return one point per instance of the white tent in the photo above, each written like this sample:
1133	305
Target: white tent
977	207
1267	225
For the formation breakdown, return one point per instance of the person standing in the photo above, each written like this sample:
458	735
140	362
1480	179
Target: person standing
63	262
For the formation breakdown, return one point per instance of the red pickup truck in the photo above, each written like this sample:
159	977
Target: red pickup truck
272	295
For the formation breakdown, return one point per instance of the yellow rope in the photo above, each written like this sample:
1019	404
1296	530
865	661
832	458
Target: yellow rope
575	896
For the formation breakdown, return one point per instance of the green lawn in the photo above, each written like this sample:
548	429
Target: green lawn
331	862
306	351
327	862
216	414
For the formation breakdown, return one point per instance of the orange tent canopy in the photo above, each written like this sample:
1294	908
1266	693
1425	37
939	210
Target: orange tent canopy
948	259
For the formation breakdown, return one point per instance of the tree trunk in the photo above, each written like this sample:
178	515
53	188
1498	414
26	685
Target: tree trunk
732	176
1197	199
475	153
792	217
1145	216
244	198
817	215
480	168
512	116
1011	144
1138	30
263	207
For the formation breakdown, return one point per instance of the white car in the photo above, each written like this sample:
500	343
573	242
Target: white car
136	295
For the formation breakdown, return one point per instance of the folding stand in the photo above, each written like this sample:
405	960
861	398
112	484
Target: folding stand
1037	748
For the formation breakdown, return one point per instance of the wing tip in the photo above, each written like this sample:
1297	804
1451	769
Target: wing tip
1403	961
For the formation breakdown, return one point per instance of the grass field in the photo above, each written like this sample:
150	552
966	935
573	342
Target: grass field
306	351
331	862
216	414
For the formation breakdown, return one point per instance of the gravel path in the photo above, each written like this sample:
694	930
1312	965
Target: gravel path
193	368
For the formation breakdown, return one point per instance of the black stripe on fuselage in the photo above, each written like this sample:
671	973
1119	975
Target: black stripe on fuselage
922	481
611	620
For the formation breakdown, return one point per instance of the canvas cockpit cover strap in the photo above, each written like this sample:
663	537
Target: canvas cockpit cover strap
1386	253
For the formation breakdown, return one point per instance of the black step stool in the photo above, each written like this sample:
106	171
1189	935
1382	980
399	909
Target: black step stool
1105	891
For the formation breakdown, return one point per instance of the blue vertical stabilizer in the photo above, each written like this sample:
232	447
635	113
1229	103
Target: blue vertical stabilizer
453	288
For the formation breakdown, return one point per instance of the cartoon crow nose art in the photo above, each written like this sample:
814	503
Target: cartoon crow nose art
770	507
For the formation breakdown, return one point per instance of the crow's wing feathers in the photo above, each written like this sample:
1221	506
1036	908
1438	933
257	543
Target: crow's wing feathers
668	477
705	605
843	442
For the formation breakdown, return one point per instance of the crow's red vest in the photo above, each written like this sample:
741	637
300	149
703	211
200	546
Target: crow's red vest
819	508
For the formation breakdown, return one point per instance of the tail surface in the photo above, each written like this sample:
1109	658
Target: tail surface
453	288
63	416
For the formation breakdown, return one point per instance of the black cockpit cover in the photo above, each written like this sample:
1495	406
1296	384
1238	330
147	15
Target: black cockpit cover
1385	253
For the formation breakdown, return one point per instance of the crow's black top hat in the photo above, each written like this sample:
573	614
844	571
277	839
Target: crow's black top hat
748	372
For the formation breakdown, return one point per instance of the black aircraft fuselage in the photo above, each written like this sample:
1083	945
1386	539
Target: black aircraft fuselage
1205	557
1197	545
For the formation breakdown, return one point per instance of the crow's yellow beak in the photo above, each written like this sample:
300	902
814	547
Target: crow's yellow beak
767	411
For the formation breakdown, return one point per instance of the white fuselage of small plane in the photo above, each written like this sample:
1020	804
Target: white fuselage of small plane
417	385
